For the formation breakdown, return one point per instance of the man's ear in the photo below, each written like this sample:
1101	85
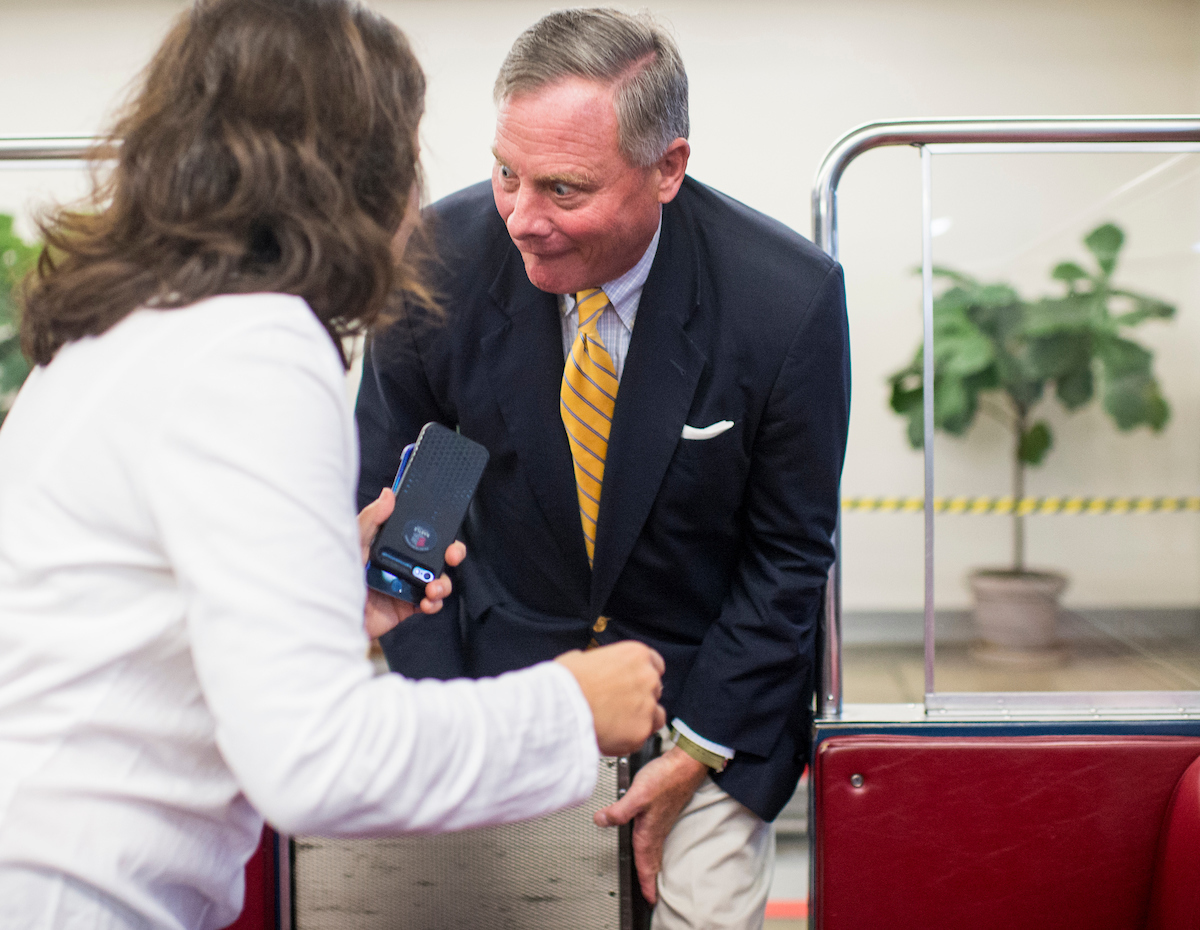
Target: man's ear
671	168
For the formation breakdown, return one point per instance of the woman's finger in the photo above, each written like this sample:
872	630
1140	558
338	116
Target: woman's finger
436	591
455	553
384	613
372	517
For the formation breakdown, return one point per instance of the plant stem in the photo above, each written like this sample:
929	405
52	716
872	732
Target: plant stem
1018	492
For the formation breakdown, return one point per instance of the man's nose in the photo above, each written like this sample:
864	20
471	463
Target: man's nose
528	217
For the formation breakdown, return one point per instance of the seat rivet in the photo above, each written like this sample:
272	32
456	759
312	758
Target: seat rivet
856	780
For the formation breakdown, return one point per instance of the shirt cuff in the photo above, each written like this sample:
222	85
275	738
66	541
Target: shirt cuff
699	740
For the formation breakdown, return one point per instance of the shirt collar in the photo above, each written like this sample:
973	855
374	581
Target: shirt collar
625	292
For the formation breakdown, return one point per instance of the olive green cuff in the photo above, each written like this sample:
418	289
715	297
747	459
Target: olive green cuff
713	760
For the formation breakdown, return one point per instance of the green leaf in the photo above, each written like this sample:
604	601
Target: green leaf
1058	355
986	380
1035	443
1024	388
950	312
940	271
907	399
13	371
1071	314
916	429
1134	399
1069	272
1121	357
1159	411
1105	243
996	295
1002	324
959	311
954	404
1076	388
16	258
963	352
906	392
1144	308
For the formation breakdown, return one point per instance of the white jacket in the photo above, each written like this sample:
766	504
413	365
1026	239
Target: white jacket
181	642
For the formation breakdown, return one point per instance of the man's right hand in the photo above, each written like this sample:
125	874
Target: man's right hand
622	684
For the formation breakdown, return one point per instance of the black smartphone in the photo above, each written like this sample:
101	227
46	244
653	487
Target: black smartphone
434	485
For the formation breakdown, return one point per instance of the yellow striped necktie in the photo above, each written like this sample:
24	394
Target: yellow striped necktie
588	394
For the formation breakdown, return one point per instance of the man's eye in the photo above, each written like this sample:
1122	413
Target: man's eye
506	172
561	190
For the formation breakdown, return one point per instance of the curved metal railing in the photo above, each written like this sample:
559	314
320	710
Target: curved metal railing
48	148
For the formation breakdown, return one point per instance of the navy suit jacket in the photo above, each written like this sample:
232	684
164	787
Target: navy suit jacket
715	552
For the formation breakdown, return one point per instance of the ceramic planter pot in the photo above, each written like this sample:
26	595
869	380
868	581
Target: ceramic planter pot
1016	616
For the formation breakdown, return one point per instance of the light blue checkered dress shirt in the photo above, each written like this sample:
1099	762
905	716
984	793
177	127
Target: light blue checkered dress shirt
615	325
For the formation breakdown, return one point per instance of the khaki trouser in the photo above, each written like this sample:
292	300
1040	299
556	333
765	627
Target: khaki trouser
717	866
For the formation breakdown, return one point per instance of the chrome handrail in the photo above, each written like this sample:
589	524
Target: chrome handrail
945	132
47	148
975	130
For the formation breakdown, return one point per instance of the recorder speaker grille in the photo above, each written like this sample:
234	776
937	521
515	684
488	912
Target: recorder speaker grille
556	873
448	469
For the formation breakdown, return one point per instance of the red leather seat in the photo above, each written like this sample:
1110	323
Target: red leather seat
943	833
1175	898
258	912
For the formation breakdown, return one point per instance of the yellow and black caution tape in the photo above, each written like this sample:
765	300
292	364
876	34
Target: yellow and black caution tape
1026	505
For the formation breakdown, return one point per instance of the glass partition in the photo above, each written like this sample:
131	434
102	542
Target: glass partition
1063	307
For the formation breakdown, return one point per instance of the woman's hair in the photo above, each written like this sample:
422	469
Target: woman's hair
270	146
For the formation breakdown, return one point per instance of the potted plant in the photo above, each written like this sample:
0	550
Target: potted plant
998	353
16	258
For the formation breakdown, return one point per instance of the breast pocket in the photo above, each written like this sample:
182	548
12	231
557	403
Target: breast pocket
708	472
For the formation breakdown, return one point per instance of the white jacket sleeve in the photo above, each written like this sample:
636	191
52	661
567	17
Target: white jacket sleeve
252	485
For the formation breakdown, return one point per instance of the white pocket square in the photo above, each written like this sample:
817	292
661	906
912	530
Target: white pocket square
707	432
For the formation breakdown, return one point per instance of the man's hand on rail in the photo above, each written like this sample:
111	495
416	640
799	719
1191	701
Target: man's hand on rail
660	790
383	612
622	684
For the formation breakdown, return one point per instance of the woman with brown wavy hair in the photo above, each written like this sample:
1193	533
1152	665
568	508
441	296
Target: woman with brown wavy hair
182	648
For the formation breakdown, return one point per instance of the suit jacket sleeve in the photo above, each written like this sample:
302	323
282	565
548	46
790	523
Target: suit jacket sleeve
753	673
394	401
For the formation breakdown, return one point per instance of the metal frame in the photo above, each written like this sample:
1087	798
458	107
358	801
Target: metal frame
283	882
978	136
49	148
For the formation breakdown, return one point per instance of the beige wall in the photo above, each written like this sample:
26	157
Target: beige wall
773	85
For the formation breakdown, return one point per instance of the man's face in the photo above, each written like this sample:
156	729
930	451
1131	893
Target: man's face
577	210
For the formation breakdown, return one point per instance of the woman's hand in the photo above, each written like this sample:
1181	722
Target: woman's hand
383	612
622	683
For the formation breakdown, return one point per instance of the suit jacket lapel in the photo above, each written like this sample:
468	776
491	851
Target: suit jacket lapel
525	369
660	377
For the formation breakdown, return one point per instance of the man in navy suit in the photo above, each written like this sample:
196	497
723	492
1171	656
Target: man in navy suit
661	377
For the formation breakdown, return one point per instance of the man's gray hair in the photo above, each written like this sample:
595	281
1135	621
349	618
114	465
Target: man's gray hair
631	52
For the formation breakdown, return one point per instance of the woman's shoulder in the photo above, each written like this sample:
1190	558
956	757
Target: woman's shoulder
227	314
238	324
239	358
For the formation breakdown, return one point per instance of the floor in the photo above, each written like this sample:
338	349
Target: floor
789	888
895	674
